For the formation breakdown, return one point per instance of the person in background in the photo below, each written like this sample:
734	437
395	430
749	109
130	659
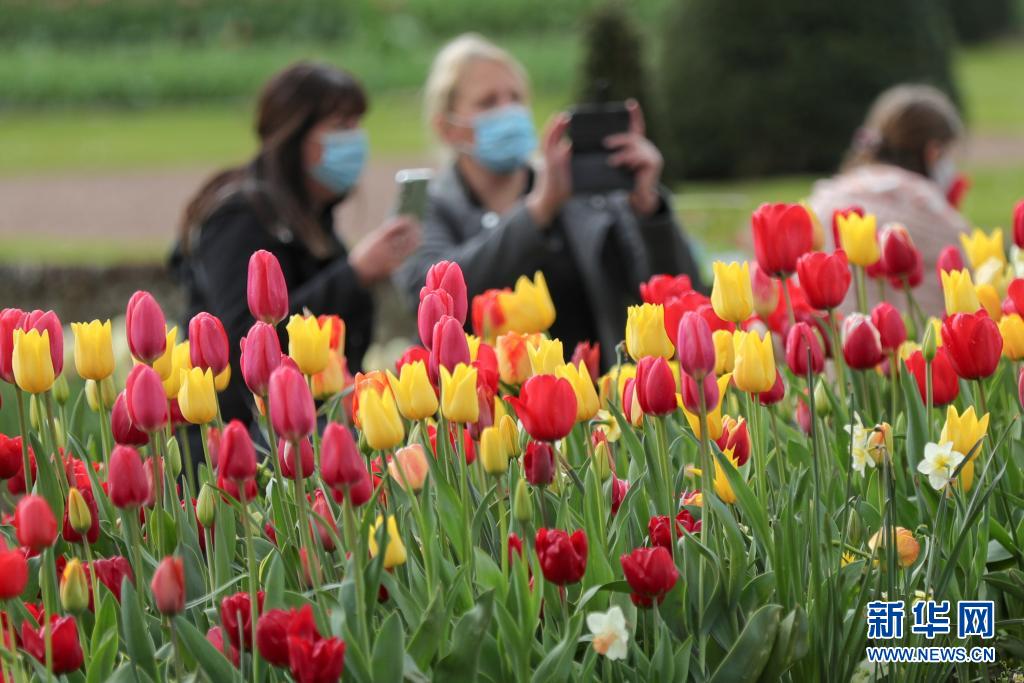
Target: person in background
499	217
901	168
311	154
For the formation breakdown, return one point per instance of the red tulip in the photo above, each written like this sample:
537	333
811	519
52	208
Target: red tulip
292	411
10	320
126	478
486	365
145	399
974	344
775	394
803	414
11	461
237	454
146	327
358	494
1015	293
16	484
619	489
691	393
765	290
121	425
272	635
656	386
889	322
449	347
650	573
112	573
660	288
945	383
487	313
824	278
261	355
286	456
447	276
695	346
49	322
433	305
948	261
168	586
65	648
216	637
547	407
782	234
232	488
412	355
736	438
266	289
914	277
35	523
321	508
659	530
316	661
236	615
801	342
1018	224
862	345
539	463
208	343
897	250
13	571
957	189
341	465
590	354
1020	387
563	558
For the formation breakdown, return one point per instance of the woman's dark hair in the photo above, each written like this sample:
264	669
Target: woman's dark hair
899	126
292	102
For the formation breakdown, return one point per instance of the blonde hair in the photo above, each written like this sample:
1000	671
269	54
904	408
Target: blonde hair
450	66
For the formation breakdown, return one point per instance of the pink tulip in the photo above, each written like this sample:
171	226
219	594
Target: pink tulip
146	327
145	399
695	346
266	289
261	355
292	411
208	343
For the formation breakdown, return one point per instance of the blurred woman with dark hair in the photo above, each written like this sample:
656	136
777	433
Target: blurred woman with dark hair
312	152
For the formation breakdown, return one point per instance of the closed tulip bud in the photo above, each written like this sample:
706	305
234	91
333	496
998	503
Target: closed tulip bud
413	392
522	506
822	404
888	321
378	415
146	327
650	573
862	345
13	572
206	506
587	401
945	383
899	255
645	332
394	552
292	411
448	348
824	278
725	354
261	355
121	426
590	354
764	289
309	343
237	457
100	395
601	461
980	247
31	361
492	452
929	345
803	350
197	396
655	386
546	405
145	399
754	370
74	587
696	346
61	391
126	478
974	344
510	435
168	586
458	394
433	305
859	239
47	321
79	514
35	524
691	394
409	467
731	294
512	349
447	276
341	465
539	463
173	457
208	342
266	290
907	547
94	350
782	234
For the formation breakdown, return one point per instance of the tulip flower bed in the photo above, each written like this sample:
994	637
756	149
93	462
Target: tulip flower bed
728	502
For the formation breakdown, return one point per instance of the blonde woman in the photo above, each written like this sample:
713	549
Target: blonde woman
499	216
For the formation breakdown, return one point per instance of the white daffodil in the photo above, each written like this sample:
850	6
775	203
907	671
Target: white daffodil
939	464
610	634
859	437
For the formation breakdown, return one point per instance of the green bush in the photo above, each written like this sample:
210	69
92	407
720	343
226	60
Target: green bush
980	20
752	88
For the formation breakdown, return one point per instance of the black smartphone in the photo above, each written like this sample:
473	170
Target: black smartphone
589	125
412	191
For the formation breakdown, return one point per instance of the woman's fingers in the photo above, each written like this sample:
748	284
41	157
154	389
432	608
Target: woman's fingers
636	118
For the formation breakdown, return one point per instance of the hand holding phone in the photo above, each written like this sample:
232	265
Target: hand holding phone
412	192
593	166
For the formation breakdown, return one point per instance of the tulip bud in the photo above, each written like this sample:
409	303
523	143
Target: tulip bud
168	586
510	436
803	350
929	345
601	461
731	295
523	506
35	524
907	547
74	587
822	404
765	290
173	457
409	467
206	506
78	511
696	346
101	394
862	345
266	290
892	331
292	410
447	276
34	413
458	394
645	332
492	452
261	355
655	385
208	343
539	463
61	390
145	399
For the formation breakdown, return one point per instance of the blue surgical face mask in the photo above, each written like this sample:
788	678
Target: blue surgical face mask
504	138
341	159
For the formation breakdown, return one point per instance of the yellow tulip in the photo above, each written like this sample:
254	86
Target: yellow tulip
492	451
394	553
817	233
545	356
222	380
725	354
714	414
936	326
980	247
907	349
731	296
309	343
510	435
512	350
611	384
180	360
413	391
31	361
754	370
857	235
458	394
164	365
74	587
378	416
587	402
94	350
645	332
1011	327
330	380
988	297
994	273
473	342
528	308
964	430
720	482
959	292
197	397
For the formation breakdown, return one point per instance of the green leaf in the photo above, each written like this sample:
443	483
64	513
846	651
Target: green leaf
749	655
274	581
389	651
101	658
209	658
431	630
106	621
462	661
137	640
557	664
791	643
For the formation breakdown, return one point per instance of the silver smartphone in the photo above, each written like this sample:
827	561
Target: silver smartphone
412	191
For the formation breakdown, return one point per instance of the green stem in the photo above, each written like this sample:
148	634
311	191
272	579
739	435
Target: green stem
63	478
48	588
862	292
25	438
929	398
179	667
837	355
253	579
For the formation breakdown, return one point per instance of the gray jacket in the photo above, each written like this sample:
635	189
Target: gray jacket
494	251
